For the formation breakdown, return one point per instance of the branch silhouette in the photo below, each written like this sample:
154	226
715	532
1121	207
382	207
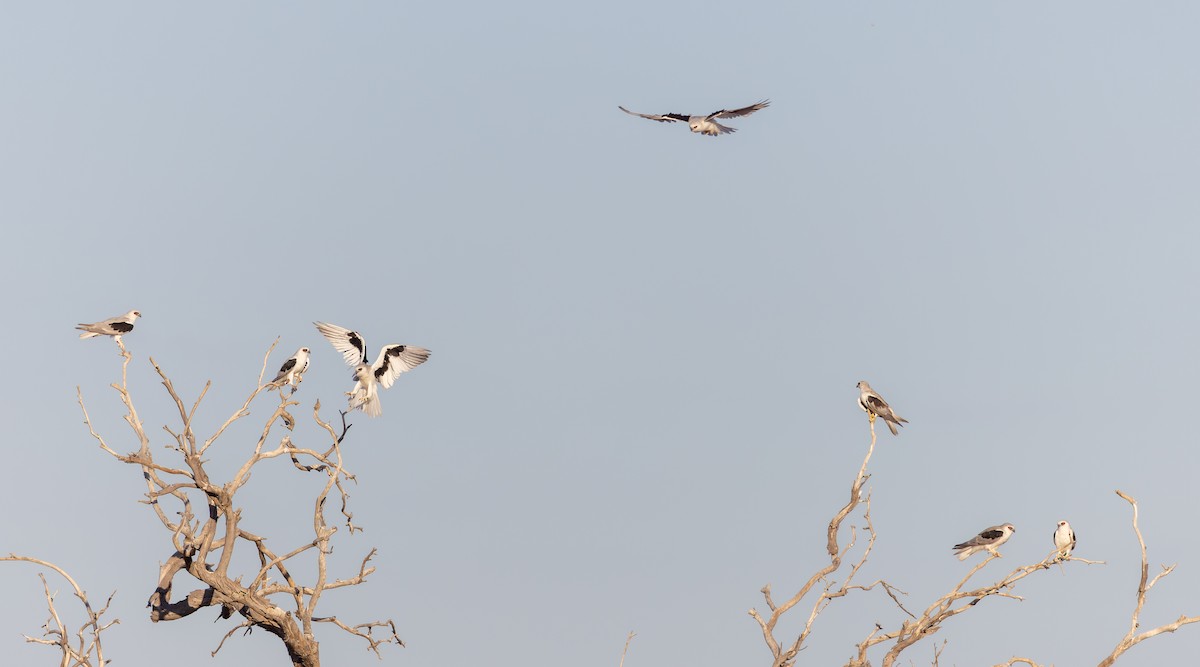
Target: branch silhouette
206	526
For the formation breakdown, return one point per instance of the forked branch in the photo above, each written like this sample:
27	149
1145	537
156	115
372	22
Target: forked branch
1132	638
87	649
202	545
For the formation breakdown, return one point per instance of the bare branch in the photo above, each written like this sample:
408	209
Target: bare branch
88	637
784	657
202	547
625	650
1131	638
373	643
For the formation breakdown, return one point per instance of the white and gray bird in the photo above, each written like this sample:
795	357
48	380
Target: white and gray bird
292	370
874	405
1064	540
987	540
113	326
703	124
369	378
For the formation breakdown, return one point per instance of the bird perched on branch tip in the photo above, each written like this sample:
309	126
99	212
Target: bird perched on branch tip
113	326
1064	540
987	540
292	370
874	405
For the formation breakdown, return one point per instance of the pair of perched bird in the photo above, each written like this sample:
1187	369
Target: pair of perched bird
990	538
369	378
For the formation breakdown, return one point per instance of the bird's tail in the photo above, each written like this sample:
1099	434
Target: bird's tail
964	554
365	401
86	333
724	129
892	427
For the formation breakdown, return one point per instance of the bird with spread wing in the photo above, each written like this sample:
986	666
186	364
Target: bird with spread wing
704	124
370	378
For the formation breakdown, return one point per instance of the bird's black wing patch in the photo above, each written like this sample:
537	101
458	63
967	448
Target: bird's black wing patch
288	365
354	339
121	327
744	111
991	534
388	355
663	118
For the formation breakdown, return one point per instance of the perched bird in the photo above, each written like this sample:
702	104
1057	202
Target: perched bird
987	540
113	326
393	360
874	405
1064	540
704	124
292	370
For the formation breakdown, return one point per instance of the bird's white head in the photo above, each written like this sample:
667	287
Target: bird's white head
1010	528
304	350
133	315
862	384
1063	523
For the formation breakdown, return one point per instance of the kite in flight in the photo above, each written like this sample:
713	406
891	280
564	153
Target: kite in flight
113	326
704	124
393	360
1064	540
292	370
874	405
987	540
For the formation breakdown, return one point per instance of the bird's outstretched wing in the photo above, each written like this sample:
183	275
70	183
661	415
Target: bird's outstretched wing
662	118
744	111
348	342
396	359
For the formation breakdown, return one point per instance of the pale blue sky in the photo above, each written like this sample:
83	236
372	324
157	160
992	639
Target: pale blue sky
641	405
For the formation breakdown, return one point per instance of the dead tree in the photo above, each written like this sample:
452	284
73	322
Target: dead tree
87	650
823	589
205	525
1132	638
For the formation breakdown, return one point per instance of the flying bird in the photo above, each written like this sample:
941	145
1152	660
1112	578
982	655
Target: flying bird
704	124
874	405
113	326
292	370
987	540
1064	540
392	361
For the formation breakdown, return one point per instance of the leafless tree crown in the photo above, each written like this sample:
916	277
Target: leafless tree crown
204	524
